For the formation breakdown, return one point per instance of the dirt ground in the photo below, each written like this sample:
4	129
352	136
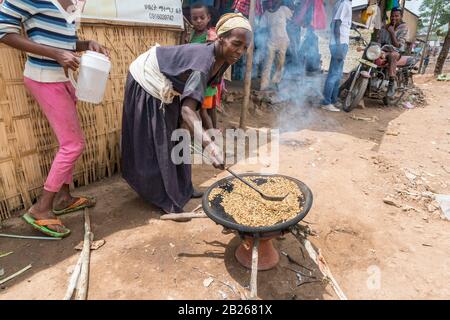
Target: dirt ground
375	250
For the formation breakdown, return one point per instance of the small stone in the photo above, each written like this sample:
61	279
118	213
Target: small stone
409	208
393	133
410	176
207	282
69	269
390	201
171	245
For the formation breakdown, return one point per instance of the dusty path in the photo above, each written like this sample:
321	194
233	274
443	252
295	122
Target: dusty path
375	250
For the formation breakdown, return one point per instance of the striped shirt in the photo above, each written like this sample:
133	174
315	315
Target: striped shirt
44	24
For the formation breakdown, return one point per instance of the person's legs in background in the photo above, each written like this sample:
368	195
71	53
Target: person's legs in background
279	67
332	83
265	77
392	58
339	74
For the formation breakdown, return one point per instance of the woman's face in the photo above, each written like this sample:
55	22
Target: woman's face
235	45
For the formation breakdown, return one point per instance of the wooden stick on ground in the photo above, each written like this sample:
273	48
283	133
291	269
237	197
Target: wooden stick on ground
317	257
4	235
2	255
254	275
183	216
74	278
15	274
83	281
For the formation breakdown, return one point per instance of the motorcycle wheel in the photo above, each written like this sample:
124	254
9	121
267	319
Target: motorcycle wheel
352	100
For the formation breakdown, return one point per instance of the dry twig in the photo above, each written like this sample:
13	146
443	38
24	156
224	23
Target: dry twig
319	260
15	274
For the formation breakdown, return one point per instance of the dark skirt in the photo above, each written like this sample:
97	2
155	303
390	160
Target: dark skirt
146	150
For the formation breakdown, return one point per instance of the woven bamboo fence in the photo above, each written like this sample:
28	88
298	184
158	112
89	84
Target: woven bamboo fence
27	143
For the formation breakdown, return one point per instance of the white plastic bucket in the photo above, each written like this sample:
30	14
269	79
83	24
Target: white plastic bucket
92	78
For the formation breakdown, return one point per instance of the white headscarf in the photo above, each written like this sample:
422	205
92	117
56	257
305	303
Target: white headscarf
232	21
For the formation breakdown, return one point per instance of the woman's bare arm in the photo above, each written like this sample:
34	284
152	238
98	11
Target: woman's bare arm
67	59
190	117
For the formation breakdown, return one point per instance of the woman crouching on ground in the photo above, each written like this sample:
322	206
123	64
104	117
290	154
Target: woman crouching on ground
165	87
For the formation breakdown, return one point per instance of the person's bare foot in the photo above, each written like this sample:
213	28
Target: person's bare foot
63	201
45	215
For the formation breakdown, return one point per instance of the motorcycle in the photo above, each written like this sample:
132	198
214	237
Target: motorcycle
370	79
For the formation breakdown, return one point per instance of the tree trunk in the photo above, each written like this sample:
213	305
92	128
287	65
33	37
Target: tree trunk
430	27
443	55
248	70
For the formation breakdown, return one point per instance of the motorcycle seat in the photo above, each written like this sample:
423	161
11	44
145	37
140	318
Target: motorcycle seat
405	61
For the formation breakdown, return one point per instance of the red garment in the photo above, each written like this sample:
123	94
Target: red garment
301	18
320	16
312	13
243	6
212	35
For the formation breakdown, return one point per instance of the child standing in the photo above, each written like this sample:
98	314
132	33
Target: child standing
51	45
275	19
201	18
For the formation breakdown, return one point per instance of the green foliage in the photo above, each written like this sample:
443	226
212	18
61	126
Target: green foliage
442	12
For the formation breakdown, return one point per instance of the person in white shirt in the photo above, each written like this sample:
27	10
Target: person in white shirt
340	38
275	19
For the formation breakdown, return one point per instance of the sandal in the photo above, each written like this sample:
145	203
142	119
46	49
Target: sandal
81	203
42	224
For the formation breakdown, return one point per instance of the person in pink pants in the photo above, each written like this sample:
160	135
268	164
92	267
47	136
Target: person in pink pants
52	49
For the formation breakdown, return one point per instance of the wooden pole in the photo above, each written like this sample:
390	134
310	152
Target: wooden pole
183	216
74	278
443	54
430	27
15	274
254	275
248	70
16	236
83	280
318	259
382	6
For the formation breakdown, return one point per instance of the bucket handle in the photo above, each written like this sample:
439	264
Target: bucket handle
72	79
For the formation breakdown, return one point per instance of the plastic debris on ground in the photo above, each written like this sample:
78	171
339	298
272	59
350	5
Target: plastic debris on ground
207	282
444	203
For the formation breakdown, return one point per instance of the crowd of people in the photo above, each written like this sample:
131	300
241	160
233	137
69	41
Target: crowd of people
169	87
279	39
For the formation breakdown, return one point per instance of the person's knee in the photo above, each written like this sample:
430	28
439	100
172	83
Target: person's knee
390	58
76	148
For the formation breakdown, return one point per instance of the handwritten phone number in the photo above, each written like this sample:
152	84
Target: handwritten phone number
156	16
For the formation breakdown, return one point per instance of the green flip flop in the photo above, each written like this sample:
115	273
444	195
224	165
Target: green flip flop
81	203
41	225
